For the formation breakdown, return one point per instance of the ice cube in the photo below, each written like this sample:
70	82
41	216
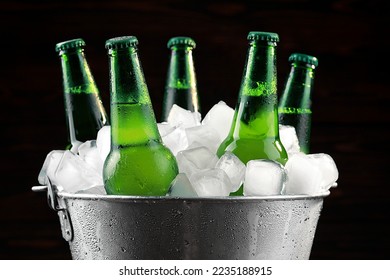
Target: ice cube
288	137
194	160
176	140
264	177
164	128
49	167
329	171
234	168
211	182
103	141
310	174
99	190
182	117
203	135
89	152
220	118
182	187
73	174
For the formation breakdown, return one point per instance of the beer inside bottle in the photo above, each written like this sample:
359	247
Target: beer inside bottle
295	102
180	87
254	133
138	162
85	113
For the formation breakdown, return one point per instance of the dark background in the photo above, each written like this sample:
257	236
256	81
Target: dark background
350	100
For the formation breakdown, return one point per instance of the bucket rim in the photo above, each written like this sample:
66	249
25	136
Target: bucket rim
118	198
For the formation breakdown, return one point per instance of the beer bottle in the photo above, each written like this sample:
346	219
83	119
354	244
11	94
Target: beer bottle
295	103
254	133
84	110
138	162
180	87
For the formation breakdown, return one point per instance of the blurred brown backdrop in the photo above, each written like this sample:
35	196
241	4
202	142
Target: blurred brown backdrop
350	114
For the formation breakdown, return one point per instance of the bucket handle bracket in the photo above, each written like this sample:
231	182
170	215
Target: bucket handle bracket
63	214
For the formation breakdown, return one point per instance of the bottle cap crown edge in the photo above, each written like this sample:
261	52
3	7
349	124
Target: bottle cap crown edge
70	44
300	57
121	42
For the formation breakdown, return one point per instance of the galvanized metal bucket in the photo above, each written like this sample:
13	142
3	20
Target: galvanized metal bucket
128	227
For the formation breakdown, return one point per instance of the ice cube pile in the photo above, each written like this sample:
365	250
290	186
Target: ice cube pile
194	143
79	170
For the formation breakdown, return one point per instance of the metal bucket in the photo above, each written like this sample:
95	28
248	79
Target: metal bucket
128	227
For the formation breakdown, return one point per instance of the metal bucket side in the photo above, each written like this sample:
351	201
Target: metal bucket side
125	227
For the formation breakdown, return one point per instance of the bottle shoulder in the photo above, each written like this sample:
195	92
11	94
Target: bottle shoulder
247	149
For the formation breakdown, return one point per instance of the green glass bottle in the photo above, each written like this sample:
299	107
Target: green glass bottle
254	133
180	87
85	113
138	162
295	102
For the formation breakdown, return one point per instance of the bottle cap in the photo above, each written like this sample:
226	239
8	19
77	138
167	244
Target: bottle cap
181	41
299	57
71	44
263	36
121	42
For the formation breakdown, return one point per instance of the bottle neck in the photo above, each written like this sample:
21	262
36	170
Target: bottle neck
259	77
296	98
126	78
256	111
181	71
77	76
132	117
85	113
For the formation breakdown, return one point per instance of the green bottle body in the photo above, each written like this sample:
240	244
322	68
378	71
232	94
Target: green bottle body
255	133
138	162
295	102
180	86
85	114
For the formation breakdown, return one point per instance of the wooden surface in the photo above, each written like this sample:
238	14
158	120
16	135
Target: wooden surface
350	114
